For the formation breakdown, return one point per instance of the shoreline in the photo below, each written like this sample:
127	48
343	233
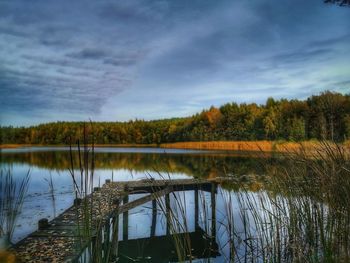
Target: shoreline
235	146
14	146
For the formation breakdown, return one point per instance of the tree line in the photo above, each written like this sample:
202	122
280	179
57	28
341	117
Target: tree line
323	116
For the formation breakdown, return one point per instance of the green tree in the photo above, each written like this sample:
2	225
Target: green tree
297	129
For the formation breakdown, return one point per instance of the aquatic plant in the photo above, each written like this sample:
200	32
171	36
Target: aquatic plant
303	217
12	195
97	232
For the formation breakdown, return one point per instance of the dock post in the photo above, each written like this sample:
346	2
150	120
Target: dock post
213	211
77	201
43	223
196	210
115	231
154	218
125	219
107	231
167	208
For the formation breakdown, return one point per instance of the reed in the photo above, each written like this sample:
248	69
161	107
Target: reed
94	228
176	221
303	218
52	193
12	195
302	214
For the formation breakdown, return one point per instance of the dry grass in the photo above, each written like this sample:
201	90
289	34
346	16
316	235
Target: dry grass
223	145
11	146
127	145
249	146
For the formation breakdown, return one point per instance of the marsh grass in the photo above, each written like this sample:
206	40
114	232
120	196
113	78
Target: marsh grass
247	146
96	241
12	195
52	193
176	223
176	220
303	216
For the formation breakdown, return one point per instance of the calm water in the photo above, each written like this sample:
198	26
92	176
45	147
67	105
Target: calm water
123	164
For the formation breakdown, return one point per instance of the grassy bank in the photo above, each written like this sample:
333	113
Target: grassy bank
12	146
250	146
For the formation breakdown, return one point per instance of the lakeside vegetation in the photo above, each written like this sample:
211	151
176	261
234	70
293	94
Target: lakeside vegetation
322	117
251	146
302	217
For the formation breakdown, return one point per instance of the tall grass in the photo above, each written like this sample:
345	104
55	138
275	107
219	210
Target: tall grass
12	195
303	217
94	224
177	223
250	146
52	193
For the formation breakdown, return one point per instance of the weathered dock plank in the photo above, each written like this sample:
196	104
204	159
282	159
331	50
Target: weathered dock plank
140	201
149	185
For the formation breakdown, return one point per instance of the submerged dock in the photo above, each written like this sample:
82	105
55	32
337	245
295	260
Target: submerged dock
62	239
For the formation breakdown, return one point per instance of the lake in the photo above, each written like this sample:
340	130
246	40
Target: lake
244	227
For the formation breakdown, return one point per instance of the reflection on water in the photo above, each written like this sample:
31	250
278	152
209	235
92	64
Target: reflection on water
199	164
51	164
270	209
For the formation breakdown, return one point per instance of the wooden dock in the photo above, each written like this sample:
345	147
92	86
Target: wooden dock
62	239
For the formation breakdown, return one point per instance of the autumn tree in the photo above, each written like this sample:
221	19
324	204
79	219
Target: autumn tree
323	116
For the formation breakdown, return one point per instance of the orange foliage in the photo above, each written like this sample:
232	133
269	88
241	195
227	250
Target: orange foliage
212	116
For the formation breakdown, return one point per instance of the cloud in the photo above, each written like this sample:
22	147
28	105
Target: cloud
120	61
332	41
30	92
298	56
117	59
13	32
89	53
107	57
131	12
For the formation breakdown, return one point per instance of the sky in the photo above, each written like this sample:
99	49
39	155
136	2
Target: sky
121	60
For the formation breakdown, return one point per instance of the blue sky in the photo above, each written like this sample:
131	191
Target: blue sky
120	60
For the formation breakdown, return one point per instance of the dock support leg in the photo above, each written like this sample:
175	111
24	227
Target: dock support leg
125	220
107	231
213	211
115	235
154	218
196	210
167	207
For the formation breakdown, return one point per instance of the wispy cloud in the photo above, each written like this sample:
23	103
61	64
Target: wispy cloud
110	60
89	53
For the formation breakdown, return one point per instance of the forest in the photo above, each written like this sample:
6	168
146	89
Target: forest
323	116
